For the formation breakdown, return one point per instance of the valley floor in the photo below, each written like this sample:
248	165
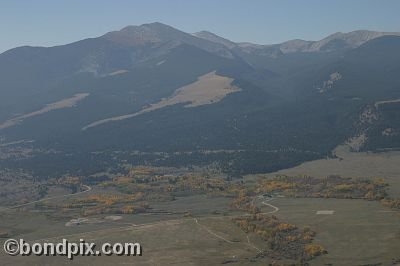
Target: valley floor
198	229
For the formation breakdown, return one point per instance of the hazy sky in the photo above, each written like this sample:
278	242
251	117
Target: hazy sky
52	22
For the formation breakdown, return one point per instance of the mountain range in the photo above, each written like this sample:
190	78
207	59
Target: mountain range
152	94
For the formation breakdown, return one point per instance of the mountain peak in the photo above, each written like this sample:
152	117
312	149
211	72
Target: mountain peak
156	26
209	36
144	34
159	34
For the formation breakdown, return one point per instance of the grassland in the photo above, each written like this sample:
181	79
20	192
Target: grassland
357	233
64	103
208	89
192	217
354	164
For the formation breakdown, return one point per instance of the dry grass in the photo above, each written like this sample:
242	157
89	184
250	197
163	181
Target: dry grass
208	89
377	104
354	164
118	72
64	103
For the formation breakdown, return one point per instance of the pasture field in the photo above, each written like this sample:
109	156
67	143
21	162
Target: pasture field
195	226
359	232
166	239
354	164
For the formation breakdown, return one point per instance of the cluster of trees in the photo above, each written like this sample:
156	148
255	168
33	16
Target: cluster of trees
384	134
109	199
121	209
391	203
314	250
329	187
107	204
285	240
151	183
244	202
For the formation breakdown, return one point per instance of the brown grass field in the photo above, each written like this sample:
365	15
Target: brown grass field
208	89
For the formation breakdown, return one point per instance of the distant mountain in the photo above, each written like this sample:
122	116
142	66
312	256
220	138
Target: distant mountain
154	94
43	69
334	42
161	36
